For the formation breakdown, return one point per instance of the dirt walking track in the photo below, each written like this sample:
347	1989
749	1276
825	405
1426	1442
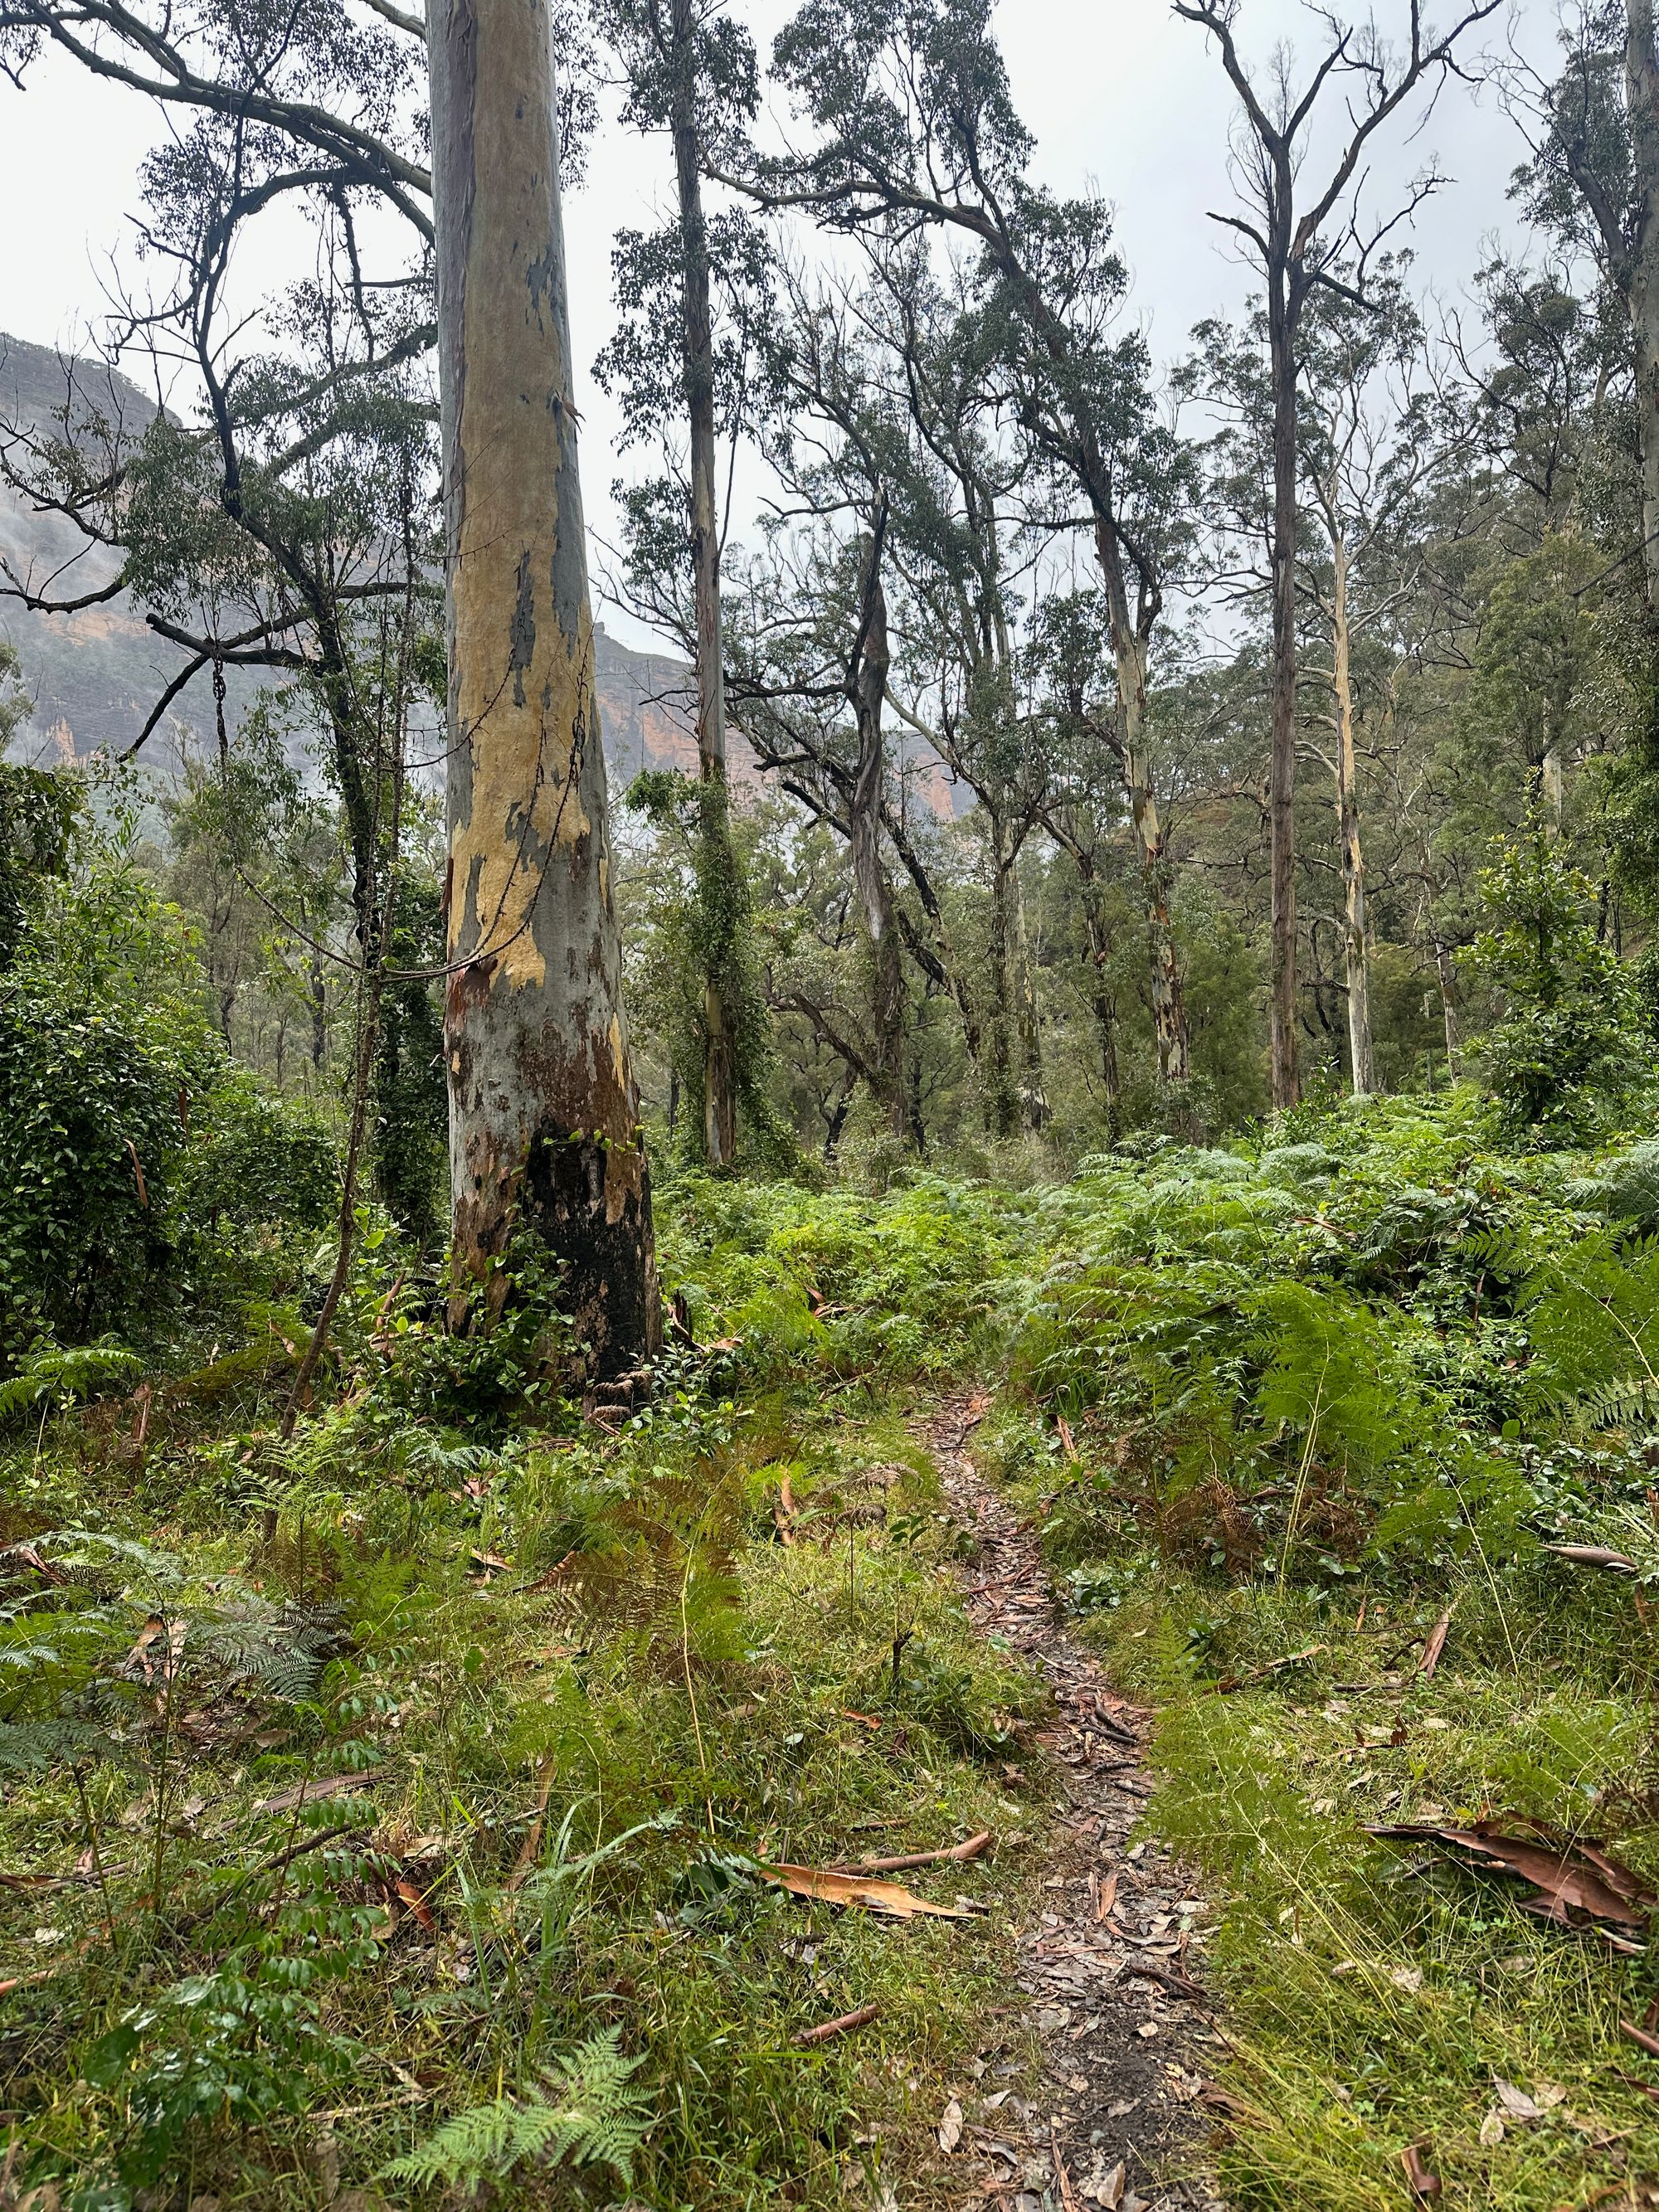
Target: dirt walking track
1111	1973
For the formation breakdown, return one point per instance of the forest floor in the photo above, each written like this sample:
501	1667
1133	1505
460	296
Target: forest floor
1166	1569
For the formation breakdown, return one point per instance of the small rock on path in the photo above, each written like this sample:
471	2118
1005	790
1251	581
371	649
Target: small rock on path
1124	2071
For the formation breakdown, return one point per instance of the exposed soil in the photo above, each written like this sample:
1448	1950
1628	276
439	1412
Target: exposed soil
1112	1970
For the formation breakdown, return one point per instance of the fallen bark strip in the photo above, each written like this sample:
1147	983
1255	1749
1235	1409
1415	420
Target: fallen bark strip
1167	1978
860	2018
970	1849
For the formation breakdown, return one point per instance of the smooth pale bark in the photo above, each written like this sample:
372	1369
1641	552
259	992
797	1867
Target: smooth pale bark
1129	657
720	1108
1284	1059
1356	951
1642	101
1442	972
870	877
544	1125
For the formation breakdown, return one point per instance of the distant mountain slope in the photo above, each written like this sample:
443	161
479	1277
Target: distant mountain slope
95	675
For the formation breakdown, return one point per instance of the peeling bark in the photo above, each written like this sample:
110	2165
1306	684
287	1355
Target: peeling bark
544	1129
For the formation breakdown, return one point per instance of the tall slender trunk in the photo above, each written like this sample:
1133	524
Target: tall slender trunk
999	1102
1129	655
543	1114
1033	1096
319	1010
718	869
1442	970
875	892
1355	950
1641	101
1103	1000
1286	1080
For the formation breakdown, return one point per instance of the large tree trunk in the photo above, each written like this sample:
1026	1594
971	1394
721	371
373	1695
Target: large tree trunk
1287	1078
1129	656
875	892
544	1125
1642	97
720	1107
1356	951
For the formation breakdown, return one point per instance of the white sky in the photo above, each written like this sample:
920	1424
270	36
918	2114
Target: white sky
1120	95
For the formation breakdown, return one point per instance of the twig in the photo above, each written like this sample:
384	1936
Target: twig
970	1850
1148	1969
848	2021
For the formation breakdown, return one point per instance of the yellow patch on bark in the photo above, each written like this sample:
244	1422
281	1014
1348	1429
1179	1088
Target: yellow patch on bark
525	686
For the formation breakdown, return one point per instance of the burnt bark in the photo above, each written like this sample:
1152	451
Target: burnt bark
544	1124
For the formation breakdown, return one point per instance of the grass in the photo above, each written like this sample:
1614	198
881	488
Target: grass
440	1833
473	1750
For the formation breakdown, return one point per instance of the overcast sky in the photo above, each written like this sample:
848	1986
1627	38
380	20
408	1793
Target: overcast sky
1121	94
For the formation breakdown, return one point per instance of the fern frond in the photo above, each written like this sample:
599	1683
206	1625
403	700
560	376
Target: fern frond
595	2117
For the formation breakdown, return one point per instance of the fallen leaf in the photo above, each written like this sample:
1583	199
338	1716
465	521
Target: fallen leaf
31	1558
411	1894
858	1889
1108	1897
1110	2191
1431	1659
1568	1877
1409	1979
1592	1555
1067	1441
138	1657
949	2125
871	1721
1421	2178
1491	2131
1516	2102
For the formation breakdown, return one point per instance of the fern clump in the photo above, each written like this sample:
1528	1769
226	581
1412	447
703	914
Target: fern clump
587	2112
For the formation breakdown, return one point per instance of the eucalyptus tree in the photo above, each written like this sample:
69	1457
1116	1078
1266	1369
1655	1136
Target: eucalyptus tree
546	1136
1593	184
280	530
912	128
1296	229
690	71
811	655
1368	448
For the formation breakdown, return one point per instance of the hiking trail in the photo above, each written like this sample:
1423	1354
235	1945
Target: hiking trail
1110	1970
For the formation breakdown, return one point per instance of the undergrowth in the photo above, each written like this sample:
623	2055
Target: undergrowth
1286	1409
389	1812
